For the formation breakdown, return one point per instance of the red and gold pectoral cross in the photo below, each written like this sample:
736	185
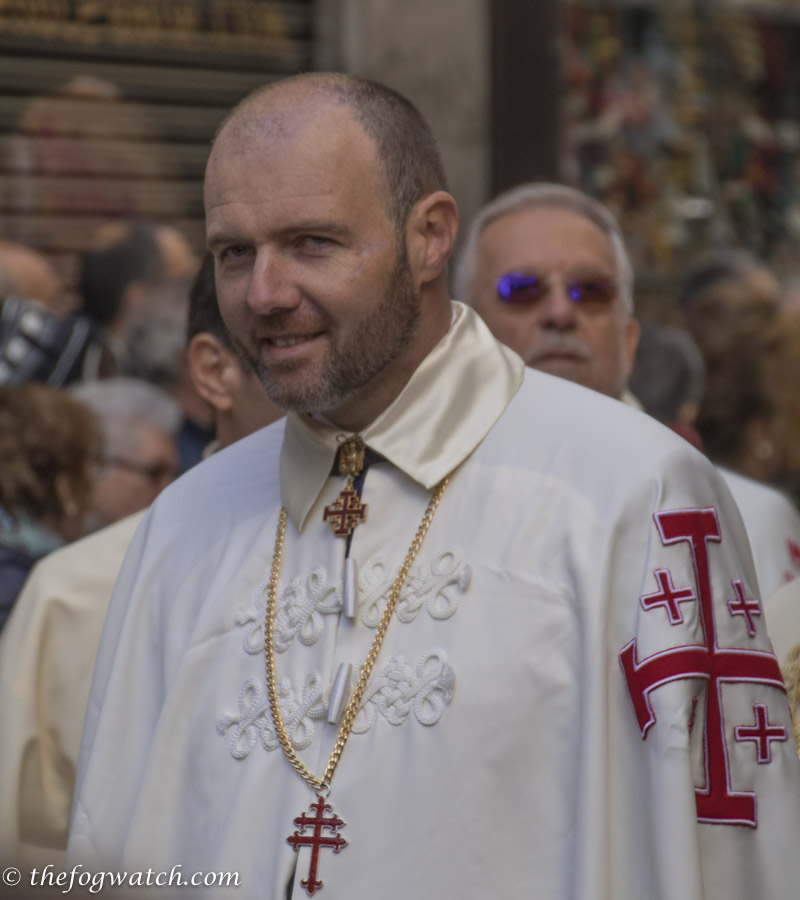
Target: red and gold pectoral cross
317	839
347	510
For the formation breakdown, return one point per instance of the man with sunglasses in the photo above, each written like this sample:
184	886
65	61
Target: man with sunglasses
546	268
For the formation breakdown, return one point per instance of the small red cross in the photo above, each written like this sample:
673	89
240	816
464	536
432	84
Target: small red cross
348	510
317	839
761	733
742	605
668	596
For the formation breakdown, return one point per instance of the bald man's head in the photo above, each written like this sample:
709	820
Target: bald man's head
405	147
27	273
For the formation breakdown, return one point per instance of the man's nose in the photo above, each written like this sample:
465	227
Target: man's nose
271	287
557	309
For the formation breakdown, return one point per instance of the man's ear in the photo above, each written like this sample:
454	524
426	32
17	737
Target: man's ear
430	235
208	363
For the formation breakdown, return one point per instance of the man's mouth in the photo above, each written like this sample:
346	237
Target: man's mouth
290	341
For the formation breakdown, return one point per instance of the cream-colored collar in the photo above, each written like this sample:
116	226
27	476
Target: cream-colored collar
447	408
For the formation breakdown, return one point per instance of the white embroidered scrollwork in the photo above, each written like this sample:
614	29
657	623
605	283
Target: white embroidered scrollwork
299	612
301	607
437	585
396	691
426	689
252	617
254	721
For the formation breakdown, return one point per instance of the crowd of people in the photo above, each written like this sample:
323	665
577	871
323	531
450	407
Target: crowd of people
543	660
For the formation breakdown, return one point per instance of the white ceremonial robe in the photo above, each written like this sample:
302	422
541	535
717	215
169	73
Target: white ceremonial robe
782	611
47	653
773	527
560	708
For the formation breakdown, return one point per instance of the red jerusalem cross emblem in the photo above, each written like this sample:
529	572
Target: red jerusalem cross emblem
716	801
317	839
345	512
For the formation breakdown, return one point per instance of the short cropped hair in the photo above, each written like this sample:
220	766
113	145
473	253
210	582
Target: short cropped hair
204	314
538	194
122	404
405	145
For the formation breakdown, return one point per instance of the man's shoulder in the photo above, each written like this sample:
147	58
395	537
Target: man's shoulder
588	426
243	475
106	545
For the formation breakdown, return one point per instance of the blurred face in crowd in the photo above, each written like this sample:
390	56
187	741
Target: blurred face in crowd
310	279
131	480
546	283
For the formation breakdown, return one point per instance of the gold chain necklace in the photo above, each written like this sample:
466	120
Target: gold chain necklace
317	840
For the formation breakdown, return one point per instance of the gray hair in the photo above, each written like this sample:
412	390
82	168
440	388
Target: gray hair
122	404
539	194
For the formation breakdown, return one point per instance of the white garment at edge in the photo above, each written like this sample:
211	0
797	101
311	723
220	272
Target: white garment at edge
773	527
782	611
47	653
567	702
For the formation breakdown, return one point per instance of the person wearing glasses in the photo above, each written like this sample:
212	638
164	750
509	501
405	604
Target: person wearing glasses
546	268
139	456
440	632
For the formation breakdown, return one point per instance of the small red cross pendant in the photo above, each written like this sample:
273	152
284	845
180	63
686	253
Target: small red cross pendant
316	839
345	512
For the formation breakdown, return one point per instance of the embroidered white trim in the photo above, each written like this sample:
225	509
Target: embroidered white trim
427	689
254	720
397	690
437	585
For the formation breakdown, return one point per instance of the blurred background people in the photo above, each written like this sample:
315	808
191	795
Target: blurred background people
126	260
668	378
47	652
729	304
732	306
48	444
24	272
781	366
139	455
727	296
154	348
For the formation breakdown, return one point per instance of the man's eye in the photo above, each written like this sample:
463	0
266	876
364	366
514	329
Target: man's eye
313	242
235	251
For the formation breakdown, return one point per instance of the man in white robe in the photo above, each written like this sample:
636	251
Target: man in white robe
572	699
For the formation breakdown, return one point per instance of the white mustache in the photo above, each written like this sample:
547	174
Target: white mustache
564	345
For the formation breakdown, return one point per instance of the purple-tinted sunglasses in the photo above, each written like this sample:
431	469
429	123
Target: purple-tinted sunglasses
518	288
